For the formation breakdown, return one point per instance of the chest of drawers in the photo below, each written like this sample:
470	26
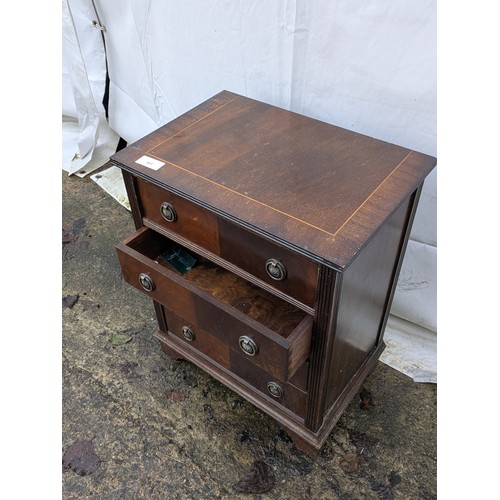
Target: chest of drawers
297	229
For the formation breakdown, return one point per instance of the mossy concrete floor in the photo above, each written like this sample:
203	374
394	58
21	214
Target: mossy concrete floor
161	428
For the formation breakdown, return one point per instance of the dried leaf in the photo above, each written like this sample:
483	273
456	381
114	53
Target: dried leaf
394	478
118	339
350	463
283	436
80	458
69	301
259	480
67	237
362	441
73	240
175	396
78	226
190	380
366	400
71	235
244	436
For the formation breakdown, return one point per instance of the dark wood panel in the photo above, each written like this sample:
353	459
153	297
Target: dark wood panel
133	263
333	414
292	398
299	378
160	316
171	130
291	163
251	252
192	222
367	283
273	351
330	282
203	341
300	341
289	420
130	186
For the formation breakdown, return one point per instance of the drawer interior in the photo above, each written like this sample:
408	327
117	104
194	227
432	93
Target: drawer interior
258	304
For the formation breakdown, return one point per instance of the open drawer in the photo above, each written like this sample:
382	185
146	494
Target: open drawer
272	333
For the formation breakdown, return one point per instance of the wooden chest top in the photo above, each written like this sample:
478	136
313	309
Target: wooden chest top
311	186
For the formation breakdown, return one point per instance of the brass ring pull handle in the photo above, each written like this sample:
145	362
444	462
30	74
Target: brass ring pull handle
168	212
275	269
187	333
146	282
248	345
275	389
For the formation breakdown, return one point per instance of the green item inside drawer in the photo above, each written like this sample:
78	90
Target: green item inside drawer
179	258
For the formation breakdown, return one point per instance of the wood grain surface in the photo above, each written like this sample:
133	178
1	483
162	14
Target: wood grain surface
316	187
252	301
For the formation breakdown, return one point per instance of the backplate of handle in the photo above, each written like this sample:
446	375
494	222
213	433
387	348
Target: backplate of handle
168	212
276	269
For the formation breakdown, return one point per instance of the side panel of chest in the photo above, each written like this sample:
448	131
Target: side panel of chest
351	319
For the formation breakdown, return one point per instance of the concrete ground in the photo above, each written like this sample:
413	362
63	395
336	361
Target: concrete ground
139	425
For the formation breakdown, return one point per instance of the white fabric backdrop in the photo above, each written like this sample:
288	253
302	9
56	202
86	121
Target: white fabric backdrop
369	66
88	140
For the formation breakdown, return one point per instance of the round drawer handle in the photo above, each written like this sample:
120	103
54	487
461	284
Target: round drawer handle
187	333
146	282
248	345
275	389
275	269
168	212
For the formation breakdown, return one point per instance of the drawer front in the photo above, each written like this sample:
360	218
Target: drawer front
255	255
199	339
283	269
281	393
179	215
278	391
280	357
277	355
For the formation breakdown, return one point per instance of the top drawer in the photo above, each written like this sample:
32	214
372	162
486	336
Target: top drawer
279	267
178	215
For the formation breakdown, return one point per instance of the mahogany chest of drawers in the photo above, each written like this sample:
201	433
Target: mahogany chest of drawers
297	231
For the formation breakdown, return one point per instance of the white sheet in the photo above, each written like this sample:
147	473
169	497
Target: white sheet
88	145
